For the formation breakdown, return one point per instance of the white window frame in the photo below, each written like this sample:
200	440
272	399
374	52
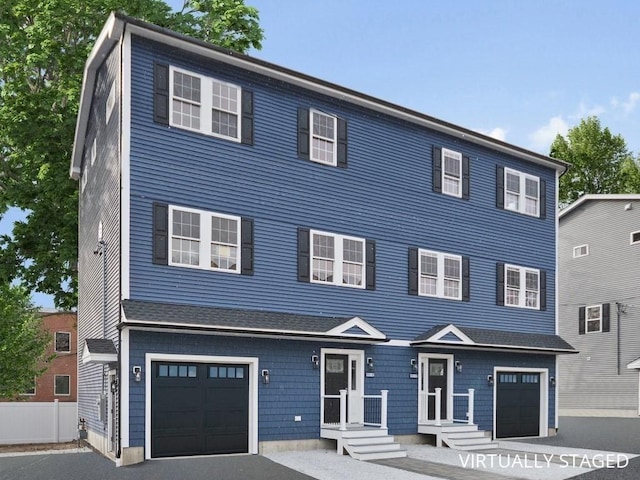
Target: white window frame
333	140
206	104
55	386
111	102
522	291
440	278
338	260
587	319
580	251
55	342
204	252
455	156
521	208
631	241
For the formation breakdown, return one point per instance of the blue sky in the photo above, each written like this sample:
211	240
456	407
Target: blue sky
521	71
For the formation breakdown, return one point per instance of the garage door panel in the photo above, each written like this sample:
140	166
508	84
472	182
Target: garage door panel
176	445
517	404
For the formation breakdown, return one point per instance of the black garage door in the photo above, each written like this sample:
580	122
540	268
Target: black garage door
518	404
199	409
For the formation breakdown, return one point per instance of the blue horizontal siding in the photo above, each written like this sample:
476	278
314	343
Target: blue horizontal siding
385	194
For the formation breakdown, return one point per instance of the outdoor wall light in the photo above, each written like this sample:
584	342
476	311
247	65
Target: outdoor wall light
414	365
489	380
265	376
370	364
552	381
137	373
315	361
458	366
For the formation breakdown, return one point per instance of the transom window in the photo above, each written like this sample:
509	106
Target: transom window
522	192
580	251
451	172
593	317
204	239
62	384
337	259
323	137
63	342
522	287
205	104
440	275
177	370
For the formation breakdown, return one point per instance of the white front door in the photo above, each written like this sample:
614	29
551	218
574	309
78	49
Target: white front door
342	370
435	371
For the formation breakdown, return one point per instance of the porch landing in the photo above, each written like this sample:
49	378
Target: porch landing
461	436
364	443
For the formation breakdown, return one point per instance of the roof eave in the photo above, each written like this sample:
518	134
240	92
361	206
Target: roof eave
598	196
485	346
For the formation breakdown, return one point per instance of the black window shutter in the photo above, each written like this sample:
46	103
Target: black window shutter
246	246
437	169
499	283
303	133
465	177
247	117
161	93
466	280
500	187
304	255
160	233
543	199
342	143
543	290
581	321
413	271
371	264
606	322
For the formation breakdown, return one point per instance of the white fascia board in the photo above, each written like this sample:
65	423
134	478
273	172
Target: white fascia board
598	196
634	364
464	339
357	322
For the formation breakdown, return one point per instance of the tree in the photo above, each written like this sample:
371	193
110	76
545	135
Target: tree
598	161
23	342
43	47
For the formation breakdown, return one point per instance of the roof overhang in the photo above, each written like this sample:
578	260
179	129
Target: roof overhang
117	23
634	365
99	350
622	197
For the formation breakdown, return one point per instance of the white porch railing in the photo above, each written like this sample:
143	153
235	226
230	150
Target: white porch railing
375	409
437	416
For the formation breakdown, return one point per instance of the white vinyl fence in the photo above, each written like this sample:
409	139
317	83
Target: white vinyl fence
38	422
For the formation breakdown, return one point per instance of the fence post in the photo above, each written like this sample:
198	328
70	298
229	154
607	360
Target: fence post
56	421
383	408
471	402
343	410
438	407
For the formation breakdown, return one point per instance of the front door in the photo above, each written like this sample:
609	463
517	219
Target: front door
435	373
342	371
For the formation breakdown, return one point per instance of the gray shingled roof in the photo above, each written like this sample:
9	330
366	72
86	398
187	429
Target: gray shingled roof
232	319
500	339
100	346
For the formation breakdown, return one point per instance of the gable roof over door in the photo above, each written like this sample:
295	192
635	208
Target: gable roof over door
155	315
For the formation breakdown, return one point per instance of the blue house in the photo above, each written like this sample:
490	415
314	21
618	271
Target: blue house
268	260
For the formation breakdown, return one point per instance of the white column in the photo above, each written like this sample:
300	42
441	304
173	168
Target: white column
343	410
383	408
471	402
438	408
56	421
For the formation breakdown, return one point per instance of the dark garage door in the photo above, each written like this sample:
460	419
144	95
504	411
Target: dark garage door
199	409
518	404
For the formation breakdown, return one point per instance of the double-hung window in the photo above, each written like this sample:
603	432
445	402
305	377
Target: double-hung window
521	192
62	385
204	239
451	173
440	275
337	259
522	287
63	342
593	319
323	137
204	104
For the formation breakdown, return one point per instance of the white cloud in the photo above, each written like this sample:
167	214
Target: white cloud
630	105
498	133
585	111
543	137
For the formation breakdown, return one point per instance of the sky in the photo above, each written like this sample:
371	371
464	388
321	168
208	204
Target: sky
520	71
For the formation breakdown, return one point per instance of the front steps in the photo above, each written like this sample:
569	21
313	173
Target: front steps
364	443
460	436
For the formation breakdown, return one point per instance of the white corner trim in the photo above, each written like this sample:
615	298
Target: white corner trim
124	388
125	167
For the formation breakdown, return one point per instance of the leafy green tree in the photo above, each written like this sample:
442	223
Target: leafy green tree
598	161
23	342
43	48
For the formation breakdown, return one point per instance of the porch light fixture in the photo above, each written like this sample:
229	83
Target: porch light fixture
315	361
370	364
489	380
265	376
552	381
458	366
137	373
414	365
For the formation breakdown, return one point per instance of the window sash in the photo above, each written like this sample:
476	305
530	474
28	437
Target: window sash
337	259
518	193
60	342
445	281
215	111
451	173
323	138
593	319
62	385
200	248
581	251
522	287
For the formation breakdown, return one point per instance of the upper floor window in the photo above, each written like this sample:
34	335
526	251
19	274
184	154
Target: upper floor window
581	251
522	192
335	259
522	287
62	385
63	342
440	275
635	237
204	104
594	319
450	172
322	137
